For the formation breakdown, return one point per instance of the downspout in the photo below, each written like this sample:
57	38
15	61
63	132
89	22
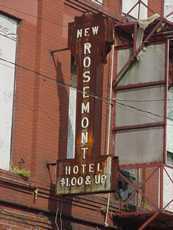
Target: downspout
109	124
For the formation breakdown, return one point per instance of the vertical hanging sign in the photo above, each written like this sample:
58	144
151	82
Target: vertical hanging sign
90	39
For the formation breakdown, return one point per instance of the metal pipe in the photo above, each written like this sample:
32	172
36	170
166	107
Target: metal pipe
110	100
109	125
149	220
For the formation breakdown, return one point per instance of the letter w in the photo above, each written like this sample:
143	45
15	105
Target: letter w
95	30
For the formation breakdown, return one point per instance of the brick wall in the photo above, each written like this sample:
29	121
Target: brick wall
41	108
40	114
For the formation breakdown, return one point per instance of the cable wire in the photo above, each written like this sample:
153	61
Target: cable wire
104	99
71	86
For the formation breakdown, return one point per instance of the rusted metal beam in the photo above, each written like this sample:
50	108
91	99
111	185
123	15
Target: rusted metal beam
143	226
52	52
142	165
140	126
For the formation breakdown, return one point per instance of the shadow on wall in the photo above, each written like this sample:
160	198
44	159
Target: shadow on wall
60	206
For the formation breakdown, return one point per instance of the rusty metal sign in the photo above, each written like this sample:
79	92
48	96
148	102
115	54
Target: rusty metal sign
91	176
90	39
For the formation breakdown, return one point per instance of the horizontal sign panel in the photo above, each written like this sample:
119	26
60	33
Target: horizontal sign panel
87	177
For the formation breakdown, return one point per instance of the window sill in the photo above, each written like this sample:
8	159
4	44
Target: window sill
8	177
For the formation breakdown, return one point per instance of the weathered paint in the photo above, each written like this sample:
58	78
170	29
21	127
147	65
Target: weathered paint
90	39
90	176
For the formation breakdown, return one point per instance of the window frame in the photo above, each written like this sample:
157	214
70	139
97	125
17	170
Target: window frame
166	8
16	21
132	13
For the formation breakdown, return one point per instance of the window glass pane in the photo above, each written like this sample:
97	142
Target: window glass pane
140	106
72	112
170	126
168	8
98	1
124	189
136	146
128	5
168	189
142	71
8	27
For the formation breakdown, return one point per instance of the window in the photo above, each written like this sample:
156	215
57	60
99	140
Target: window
170	107
72	112
170	126
125	189
100	2
140	9
8	28
168	9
